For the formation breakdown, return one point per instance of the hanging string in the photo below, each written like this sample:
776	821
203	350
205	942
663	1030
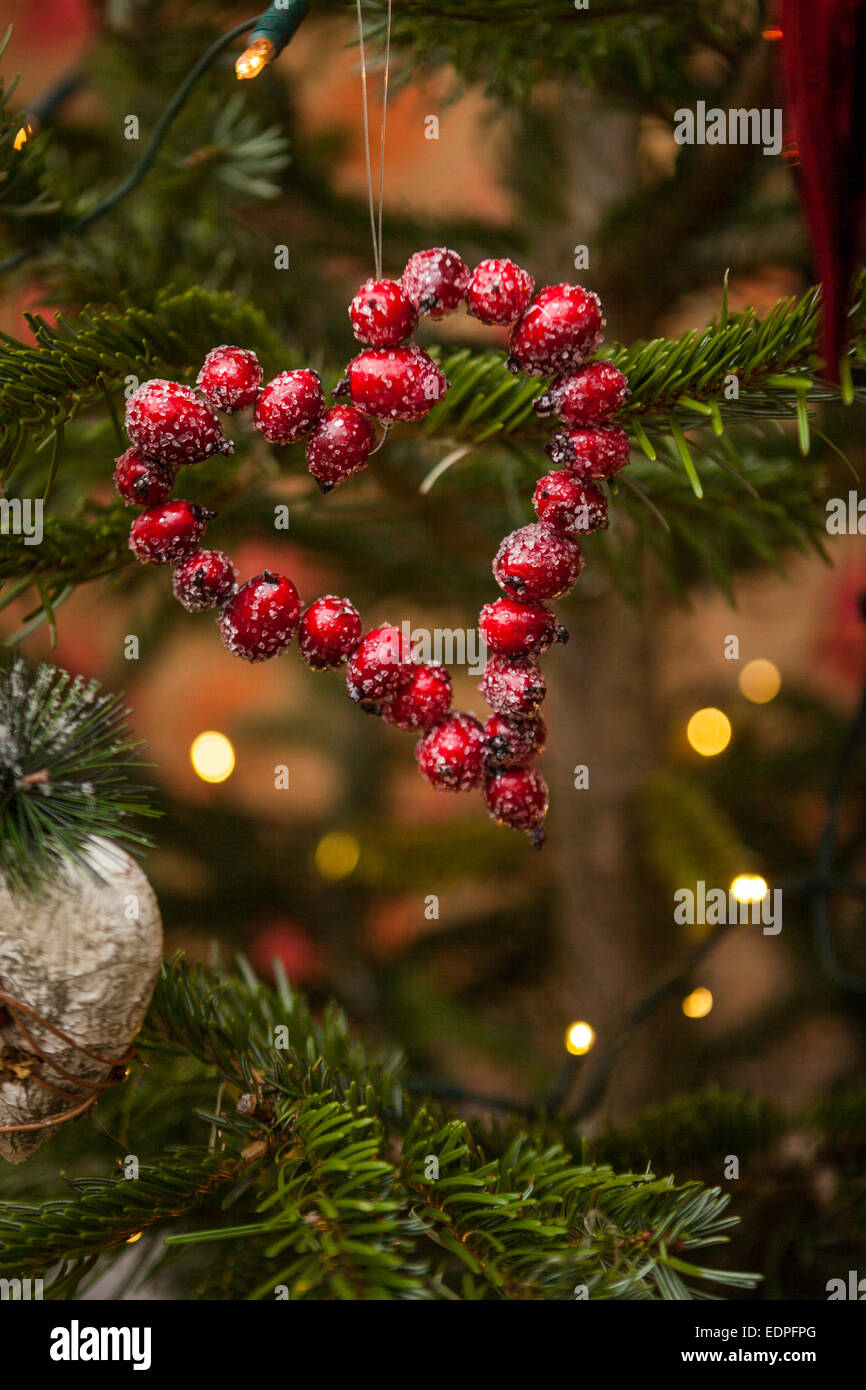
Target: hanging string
376	231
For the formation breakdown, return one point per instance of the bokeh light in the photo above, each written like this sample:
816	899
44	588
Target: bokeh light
212	756
579	1038
709	731
337	855
698	1003
760	681
749	888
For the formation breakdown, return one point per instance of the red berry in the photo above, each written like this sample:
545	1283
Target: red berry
330	631
567	504
394	383
203	580
537	563
168	422
167	532
381	314
382	662
230	378
142	481
260	619
513	685
589	396
597	453
518	797
511	628
435	281
339	445
561	328
451	754
513	741
499	291
289	406
424	699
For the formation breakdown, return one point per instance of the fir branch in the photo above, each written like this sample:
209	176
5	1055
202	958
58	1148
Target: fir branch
65	758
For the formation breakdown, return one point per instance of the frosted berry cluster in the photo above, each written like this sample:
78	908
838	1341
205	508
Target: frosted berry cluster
553	334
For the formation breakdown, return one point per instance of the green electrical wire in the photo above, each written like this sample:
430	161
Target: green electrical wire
277	24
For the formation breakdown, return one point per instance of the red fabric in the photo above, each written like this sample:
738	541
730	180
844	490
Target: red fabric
824	62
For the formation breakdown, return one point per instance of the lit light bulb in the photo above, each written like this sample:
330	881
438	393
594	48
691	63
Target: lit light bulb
709	731
749	888
133	1239
337	855
254	59
698	1003
22	136
579	1038
760	681
212	756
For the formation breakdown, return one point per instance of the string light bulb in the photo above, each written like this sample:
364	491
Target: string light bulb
254	59
709	732
749	888
270	34
698	1003
22	136
212	756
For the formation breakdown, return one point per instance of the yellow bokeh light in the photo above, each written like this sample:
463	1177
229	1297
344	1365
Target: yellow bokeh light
709	731
698	1003
133	1239
579	1038
337	855
212	756
749	888
22	136
760	681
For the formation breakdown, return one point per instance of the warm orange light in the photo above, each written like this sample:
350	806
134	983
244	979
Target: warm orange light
23	136
579	1038
772	35
760	681
698	1003
255	58
133	1239
709	731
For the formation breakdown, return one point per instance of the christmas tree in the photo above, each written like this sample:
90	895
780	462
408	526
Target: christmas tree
348	1081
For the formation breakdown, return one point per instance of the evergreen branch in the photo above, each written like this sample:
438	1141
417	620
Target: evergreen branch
105	1213
65	758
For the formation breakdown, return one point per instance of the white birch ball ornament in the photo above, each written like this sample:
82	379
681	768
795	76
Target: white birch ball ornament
80	930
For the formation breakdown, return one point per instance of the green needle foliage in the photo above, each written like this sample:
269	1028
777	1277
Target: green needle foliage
66	755
329	1181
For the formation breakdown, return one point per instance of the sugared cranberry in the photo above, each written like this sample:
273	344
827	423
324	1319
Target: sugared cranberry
169	422
569	504
562	326
167	532
230	378
435	281
339	445
329	632
451	754
510	742
289	406
394	383
512	628
381	663
498	291
518	797
591	453
382	314
204	580
591	395
260	619
537	563
142	481
423	700
513	685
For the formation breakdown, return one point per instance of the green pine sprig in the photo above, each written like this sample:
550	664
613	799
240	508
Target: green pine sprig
66	754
